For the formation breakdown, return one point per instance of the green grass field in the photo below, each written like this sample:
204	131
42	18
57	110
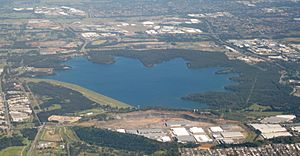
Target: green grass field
58	135
53	107
257	107
94	96
12	151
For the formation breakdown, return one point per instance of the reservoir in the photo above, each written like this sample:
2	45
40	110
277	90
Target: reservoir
129	81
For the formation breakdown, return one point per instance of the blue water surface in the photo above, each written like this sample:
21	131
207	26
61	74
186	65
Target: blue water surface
129	81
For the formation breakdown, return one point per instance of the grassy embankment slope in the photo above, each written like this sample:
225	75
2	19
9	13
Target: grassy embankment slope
94	96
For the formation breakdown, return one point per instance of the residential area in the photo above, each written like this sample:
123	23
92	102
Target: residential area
3	119
271	150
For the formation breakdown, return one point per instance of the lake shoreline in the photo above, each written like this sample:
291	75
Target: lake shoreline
183	64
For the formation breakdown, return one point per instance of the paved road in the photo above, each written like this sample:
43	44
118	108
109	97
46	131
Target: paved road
7	117
35	141
6	111
32	101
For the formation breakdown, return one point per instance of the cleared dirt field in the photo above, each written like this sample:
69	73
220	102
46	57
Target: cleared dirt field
51	134
155	119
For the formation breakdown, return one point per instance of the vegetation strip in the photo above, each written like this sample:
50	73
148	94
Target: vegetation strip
94	96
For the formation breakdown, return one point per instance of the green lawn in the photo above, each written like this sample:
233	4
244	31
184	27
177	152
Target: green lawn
94	96
53	107
262	114
257	107
94	112
12	151
69	134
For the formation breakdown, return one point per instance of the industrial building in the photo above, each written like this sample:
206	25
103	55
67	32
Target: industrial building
186	139
132	131
121	130
165	139
269	131
175	123
296	128
216	129
278	119
202	138
180	131
232	135
150	130
196	130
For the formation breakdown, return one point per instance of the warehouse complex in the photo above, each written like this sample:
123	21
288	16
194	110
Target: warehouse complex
184	133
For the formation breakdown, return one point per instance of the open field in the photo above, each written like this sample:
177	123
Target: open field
90	112
56	137
12	151
57	134
155	119
94	96
257	107
51	134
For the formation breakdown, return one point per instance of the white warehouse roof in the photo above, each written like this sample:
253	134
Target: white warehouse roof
180	131
274	135
148	23
165	139
278	119
216	129
121	130
297	128
291	117
196	130
202	138
232	135
268	128
271	130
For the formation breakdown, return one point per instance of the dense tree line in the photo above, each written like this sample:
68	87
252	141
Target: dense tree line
121	141
69	100
10	141
286	140
29	133
151	57
33	59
